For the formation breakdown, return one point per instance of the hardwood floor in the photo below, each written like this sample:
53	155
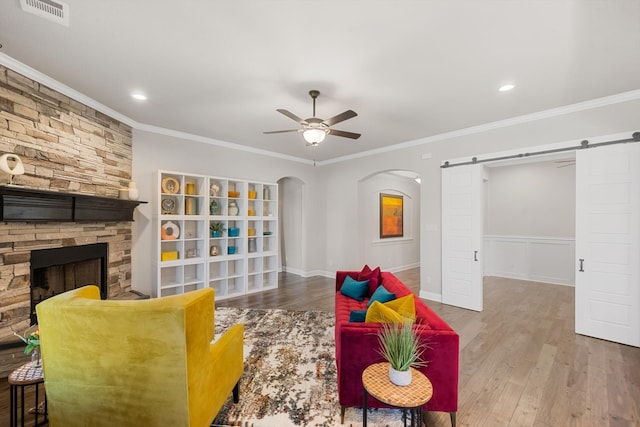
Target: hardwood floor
521	364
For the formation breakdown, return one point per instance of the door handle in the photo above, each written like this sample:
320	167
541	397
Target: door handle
581	265
475	255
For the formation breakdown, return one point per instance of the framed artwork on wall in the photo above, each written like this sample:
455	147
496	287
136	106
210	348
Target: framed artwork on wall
391	216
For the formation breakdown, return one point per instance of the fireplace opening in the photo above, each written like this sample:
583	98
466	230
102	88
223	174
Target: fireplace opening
54	271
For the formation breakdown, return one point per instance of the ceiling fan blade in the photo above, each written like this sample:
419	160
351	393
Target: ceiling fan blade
292	116
344	134
283	131
340	117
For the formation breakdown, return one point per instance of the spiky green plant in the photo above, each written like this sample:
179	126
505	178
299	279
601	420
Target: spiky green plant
401	346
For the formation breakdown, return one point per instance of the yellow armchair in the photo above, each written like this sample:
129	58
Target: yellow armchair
136	363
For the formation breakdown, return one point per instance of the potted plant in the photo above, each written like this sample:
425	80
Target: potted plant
401	347
32	339
217	228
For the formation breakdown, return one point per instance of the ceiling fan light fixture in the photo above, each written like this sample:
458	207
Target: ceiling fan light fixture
314	136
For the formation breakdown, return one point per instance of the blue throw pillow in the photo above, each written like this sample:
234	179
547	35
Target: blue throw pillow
382	295
354	289
357	315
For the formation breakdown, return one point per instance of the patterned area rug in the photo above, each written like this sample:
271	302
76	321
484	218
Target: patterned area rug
289	372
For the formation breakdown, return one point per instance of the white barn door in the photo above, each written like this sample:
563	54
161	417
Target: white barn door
462	236
607	243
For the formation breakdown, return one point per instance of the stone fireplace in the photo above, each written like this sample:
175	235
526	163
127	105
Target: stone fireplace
66	147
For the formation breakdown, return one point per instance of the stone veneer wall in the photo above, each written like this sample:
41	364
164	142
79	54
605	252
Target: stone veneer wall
69	147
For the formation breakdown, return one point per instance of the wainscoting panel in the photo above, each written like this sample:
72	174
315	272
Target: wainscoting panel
541	259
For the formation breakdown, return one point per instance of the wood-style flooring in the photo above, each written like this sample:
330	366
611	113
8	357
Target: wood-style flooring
521	364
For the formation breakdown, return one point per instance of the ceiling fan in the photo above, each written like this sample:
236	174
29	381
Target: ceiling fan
313	129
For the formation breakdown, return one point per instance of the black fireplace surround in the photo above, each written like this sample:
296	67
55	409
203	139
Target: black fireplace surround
43	259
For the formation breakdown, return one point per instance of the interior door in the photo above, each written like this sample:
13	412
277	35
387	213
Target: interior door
462	236
607	243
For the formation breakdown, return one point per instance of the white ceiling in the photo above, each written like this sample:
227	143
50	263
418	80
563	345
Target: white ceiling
410	69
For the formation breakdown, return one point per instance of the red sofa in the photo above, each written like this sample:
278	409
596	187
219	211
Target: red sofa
357	348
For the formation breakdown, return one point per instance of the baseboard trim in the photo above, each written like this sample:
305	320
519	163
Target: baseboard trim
402	267
431	296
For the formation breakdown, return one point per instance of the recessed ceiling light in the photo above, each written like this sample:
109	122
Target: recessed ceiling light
507	87
139	96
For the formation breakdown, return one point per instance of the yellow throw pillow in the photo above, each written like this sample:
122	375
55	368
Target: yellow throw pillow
405	306
379	313
393	311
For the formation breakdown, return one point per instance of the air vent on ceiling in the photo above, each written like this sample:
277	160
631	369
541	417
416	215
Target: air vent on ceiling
53	10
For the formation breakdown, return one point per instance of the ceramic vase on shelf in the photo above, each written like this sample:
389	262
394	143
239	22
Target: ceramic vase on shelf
214	208
233	209
400	378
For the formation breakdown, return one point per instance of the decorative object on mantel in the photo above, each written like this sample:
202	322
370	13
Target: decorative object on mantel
17	167
134	193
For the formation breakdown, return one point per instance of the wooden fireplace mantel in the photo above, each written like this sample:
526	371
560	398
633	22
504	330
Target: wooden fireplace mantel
24	204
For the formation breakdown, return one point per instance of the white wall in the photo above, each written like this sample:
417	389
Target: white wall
531	199
292	225
389	253
152	152
341	230
332	189
530	222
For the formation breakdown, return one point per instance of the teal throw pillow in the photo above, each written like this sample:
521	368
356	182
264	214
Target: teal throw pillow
354	289
357	315
382	295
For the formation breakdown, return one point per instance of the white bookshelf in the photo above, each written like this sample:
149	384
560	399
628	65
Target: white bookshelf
245	259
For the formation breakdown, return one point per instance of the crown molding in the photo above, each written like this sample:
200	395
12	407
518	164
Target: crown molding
216	142
33	74
526	118
41	78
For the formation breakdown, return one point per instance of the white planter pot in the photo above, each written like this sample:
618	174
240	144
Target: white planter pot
401	378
